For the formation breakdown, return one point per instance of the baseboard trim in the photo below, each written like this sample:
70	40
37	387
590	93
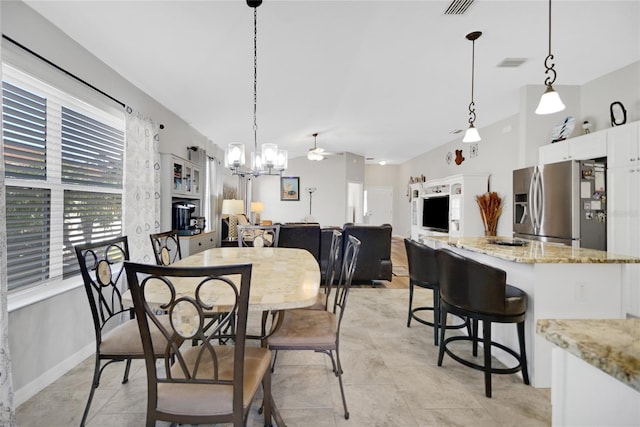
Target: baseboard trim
34	387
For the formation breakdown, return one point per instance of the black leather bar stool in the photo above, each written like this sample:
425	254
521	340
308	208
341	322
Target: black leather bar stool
480	292
423	273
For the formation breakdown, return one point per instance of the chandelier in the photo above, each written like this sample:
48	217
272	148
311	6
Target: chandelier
270	160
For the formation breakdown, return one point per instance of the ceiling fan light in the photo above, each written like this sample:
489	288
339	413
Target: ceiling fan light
314	156
550	102
471	135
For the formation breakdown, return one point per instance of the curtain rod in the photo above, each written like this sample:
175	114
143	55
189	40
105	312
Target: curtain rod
4	36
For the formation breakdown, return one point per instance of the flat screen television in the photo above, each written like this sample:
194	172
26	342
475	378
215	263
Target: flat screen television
435	213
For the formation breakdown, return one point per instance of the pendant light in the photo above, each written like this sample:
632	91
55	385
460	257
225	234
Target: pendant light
472	135
271	160
550	101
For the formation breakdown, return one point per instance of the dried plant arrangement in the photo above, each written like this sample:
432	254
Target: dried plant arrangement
490	205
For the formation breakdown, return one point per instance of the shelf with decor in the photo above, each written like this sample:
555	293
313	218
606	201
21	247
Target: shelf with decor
447	206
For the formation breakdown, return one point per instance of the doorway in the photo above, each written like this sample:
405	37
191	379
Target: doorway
355	209
378	205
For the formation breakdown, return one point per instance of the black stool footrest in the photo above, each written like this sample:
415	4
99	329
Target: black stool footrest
414	315
476	366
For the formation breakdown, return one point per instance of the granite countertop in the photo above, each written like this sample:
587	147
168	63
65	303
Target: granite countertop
532	252
611	345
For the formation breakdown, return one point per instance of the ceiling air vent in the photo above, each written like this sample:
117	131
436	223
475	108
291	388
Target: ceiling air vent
512	62
458	7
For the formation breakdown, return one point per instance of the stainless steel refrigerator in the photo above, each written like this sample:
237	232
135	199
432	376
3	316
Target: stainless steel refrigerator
562	202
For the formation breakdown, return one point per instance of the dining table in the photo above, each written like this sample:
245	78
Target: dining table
281	279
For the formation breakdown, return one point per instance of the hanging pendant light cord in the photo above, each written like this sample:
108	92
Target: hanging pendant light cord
472	105
255	79
551	73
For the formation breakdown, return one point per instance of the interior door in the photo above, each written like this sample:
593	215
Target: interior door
378	205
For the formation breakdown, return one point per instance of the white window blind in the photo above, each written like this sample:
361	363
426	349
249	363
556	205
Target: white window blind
64	163
24	127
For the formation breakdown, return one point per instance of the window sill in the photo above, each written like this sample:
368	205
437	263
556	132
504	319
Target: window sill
21	298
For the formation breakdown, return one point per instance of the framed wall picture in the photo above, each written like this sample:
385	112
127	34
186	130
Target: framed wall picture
290	188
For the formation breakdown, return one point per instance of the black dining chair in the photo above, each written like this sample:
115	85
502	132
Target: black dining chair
319	330
212	382
258	236
116	330
166	247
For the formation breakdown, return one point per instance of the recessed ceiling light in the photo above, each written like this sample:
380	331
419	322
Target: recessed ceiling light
512	62
382	162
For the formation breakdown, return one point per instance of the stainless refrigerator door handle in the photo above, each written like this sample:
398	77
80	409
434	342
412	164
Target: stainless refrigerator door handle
532	200
539	202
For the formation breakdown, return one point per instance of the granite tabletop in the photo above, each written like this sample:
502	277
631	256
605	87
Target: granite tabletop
531	251
611	345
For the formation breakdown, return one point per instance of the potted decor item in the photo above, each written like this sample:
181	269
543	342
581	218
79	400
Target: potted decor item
490	205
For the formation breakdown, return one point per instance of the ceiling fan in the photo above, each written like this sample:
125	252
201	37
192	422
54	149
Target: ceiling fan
316	153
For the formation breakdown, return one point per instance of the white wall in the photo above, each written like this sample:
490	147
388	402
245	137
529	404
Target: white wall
623	86
330	178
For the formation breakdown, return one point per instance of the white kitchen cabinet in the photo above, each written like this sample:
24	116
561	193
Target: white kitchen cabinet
186	177
589	146
623	227
181	182
623	205
623	146
190	245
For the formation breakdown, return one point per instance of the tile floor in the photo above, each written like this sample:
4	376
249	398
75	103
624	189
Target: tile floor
390	373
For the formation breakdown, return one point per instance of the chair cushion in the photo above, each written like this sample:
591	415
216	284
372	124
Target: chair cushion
321	298
305	329
213	399
125	339
515	300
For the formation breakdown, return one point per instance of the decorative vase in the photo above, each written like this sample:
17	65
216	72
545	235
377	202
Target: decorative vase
489	233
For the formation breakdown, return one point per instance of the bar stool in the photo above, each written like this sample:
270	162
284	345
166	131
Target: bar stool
480	292
421	260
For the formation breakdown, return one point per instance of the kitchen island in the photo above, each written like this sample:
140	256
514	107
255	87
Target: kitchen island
562	282
596	371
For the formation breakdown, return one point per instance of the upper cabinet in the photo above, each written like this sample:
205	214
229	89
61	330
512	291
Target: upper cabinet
623	146
185	177
589	146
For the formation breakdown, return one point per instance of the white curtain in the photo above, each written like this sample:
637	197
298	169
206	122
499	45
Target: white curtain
7	411
213	196
142	185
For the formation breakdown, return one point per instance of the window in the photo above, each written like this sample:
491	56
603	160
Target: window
64	163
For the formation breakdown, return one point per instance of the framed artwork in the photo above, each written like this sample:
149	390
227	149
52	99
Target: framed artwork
290	188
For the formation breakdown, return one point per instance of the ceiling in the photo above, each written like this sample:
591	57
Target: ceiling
388	80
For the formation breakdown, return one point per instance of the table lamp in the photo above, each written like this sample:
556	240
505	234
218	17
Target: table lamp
256	208
231	208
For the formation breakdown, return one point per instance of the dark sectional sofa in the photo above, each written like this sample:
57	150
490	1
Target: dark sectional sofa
374	260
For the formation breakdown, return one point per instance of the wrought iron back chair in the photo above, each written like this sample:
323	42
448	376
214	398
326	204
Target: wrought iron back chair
209	383
116	330
166	247
319	330
258	235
